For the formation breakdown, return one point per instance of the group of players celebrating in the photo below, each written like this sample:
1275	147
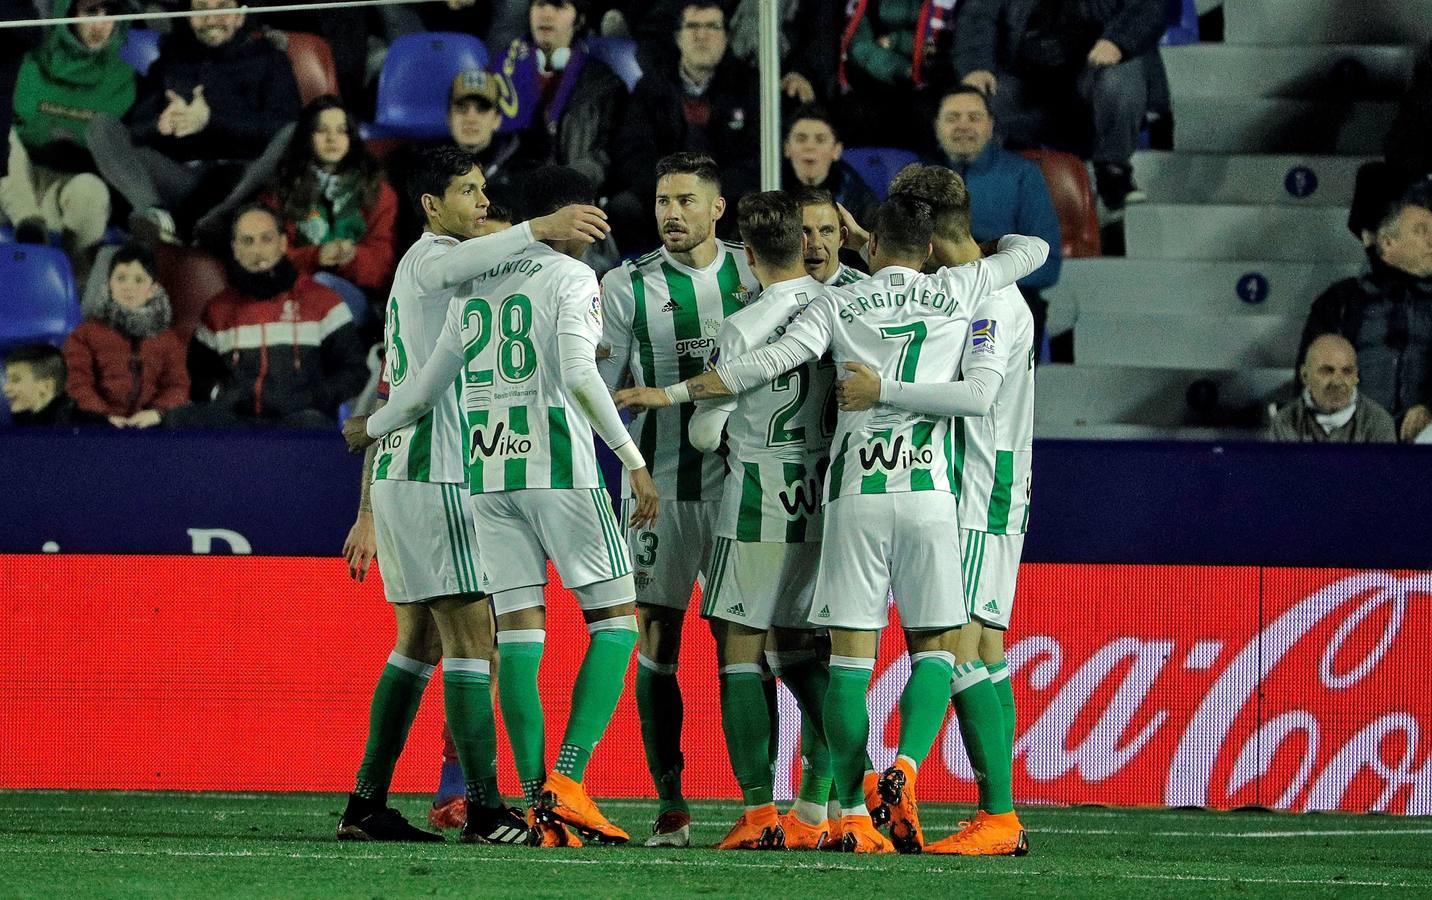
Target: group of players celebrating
784	403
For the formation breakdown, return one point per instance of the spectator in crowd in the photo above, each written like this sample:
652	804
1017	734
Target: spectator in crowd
704	102
1067	74
35	387
126	364
1008	194
339	212
812	151
568	101
1331	410
14	42
275	347
497	22
212	104
74	74
1386	313
347	32
809	44
896	59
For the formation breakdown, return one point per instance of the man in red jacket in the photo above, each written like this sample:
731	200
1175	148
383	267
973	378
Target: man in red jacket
274	348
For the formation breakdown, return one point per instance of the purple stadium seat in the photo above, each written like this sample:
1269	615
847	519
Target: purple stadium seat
40	301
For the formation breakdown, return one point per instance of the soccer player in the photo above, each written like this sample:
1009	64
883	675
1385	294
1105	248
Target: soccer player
890	490
423	530
768	534
997	393
824	234
662	312
523	338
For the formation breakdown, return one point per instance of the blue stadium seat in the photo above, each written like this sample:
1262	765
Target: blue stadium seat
40	302
878	165
352	295
413	86
1182	23
141	49
620	55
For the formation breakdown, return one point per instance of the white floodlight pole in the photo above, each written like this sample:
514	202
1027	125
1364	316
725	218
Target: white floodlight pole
769	59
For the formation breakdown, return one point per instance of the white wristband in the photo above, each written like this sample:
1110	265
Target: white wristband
630	456
678	393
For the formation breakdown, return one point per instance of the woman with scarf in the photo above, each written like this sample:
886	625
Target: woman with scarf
125	363
74	74
339	212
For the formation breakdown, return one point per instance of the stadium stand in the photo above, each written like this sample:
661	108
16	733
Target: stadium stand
141	49
313	66
413	86
40	301
1069	188
1293	22
1213	231
1247	179
192	277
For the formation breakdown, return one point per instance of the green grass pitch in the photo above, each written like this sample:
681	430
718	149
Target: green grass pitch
72	844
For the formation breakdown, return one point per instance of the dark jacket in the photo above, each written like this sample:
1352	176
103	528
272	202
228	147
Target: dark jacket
270	358
111	374
248	85
845	185
1008	195
582	137
1408	146
655	125
59	412
988	32
1387	315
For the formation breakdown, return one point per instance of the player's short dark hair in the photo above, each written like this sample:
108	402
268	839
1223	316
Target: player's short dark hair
946	193
550	188
255	206
770	224
47	361
813	112
134	252
904	224
687	163
966	90
496	212
433	169
808	195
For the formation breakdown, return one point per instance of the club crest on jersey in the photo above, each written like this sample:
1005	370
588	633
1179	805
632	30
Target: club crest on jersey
498	442
711	327
982	336
894	455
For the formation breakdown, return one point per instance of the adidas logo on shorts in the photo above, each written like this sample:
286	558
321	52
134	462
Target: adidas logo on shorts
670	306
991	607
737	610
824	612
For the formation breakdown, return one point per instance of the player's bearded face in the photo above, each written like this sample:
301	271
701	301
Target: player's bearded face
686	212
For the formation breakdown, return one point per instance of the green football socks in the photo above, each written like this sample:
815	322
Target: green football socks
982	731
467	697
395	704
922	703
1004	689
521	656
746	722
658	704
847	727
594	697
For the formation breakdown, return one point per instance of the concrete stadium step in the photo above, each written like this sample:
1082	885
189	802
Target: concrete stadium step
1310	73
1247	179
1075	397
1178	341
1274	22
1207	231
1114	286
1261	125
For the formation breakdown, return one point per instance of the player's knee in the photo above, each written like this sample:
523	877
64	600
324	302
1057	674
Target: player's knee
991	648
520	608
659	632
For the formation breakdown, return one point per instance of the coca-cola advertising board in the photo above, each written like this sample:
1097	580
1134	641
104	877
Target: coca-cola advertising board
1219	686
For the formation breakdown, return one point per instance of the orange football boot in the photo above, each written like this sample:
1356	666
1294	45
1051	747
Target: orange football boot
897	789
987	835
757	829
566	801
800	836
858	834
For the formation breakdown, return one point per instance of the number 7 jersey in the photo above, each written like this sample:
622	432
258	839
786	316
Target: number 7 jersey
524	430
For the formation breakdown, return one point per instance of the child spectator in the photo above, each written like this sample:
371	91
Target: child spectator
73	76
35	386
125	363
339	212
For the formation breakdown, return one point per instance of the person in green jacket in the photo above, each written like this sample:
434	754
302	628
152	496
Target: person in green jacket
75	73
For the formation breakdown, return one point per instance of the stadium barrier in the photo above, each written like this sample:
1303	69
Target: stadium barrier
1180	638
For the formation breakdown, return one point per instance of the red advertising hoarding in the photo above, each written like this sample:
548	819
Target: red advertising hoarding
1296	689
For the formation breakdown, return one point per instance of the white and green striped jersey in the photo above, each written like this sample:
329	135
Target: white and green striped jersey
432	449
778	436
845	275
907	327
524	429
661	319
999	445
